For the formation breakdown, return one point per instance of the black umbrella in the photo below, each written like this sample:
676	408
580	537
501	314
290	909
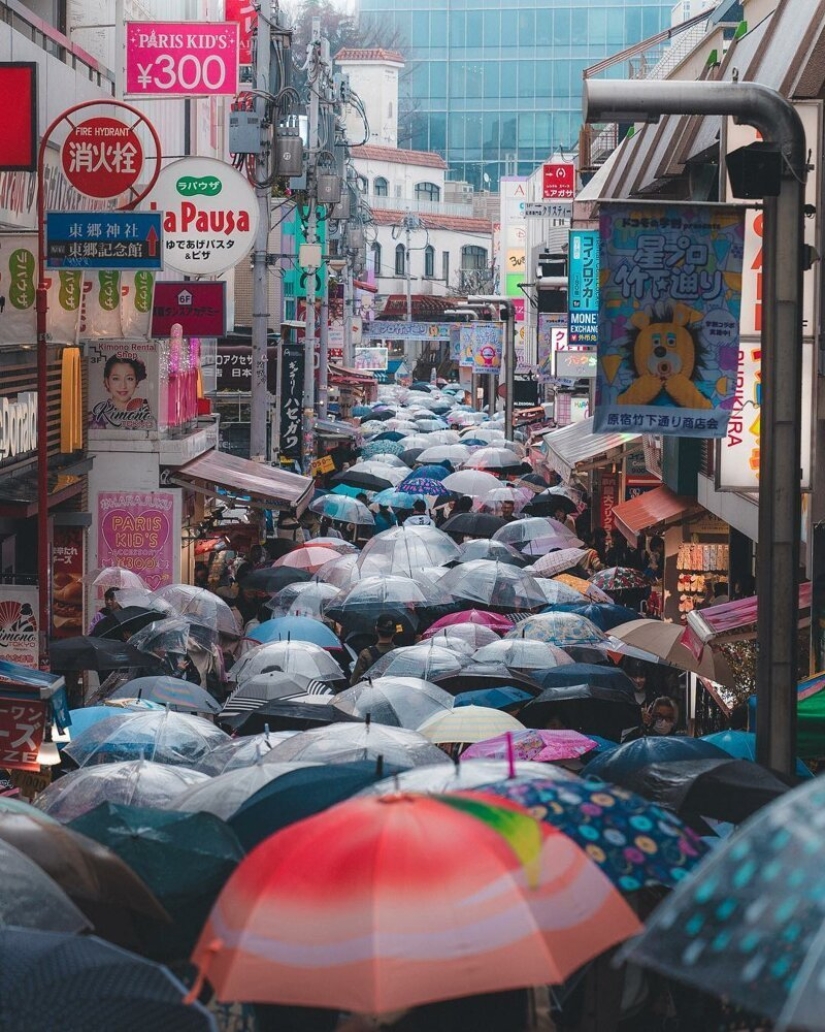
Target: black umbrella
586	673
88	653
723	789
51	981
124	622
273	578
587	707
286	715
548	503
363	480
485	675
473	524
410	456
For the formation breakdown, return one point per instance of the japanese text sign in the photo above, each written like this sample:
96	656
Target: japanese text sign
200	308
103	240
583	287
292	393
22	723
189	59
134	531
668	318
558	179
244	13
18	625
102	157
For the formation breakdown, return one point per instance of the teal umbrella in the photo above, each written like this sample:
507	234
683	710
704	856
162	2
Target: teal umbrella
382	447
184	858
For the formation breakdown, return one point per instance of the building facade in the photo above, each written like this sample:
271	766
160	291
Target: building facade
496	87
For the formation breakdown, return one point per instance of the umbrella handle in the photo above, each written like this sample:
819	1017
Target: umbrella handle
511	756
203	971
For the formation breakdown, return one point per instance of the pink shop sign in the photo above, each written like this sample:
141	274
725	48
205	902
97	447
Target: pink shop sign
166	59
134	532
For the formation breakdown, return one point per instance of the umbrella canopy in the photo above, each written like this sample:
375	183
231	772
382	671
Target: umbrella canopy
555	592
616	765
97	881
482	548
523	654
497	698
742	746
88	653
361	605
339	572
339	743
134	783
665	640
184	858
561	629
272	579
178	739
397	701
225	793
480	617
452	453
588	708
529	744
468	724
634	842
31	899
362	481
448	935
242	751
426	660
168	691
309	557
562	559
289	657
608	677
125	621
83	982
620	578
296	628
410	548
345	510
201	607
424	487
474	524
381	446
428	470
269	687
544	531
475	635
605	615
304	791
308	599
463	776
551	500
473	482
588	589
755	906
494	584
114	577
501	459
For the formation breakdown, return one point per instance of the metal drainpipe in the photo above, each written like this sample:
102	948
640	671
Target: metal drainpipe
781	416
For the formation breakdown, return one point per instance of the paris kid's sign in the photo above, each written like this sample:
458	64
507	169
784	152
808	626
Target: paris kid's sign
135	532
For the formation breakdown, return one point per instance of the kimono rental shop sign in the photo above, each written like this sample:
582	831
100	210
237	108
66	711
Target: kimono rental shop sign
668	318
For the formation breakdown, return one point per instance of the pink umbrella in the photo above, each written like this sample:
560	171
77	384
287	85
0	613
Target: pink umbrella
531	744
495	621
308	557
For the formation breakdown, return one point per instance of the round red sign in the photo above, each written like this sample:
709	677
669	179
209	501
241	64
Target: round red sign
102	157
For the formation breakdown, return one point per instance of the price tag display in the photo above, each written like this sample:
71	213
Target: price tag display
166	59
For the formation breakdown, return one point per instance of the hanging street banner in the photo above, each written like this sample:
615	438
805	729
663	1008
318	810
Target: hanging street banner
292	393
385	329
583	288
370	359
481	347
103	240
671	278
181	59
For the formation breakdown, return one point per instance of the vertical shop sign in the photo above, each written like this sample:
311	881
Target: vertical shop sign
668	318
583	287
292	392
67	558
608	499
18	625
134	531
22	723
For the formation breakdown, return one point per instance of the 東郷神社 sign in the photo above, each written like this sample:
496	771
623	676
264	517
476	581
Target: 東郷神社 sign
103	240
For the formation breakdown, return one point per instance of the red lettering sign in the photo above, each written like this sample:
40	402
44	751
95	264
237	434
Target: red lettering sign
22	723
102	157
558	181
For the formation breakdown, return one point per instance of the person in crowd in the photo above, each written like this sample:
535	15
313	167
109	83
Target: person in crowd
180	665
384	518
290	529
420	517
617	551
655	564
561	515
600	544
644	692
385	628
508	511
110	605
591	561
327	529
201	575
659	718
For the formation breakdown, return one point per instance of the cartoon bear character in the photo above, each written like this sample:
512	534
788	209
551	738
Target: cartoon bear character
664	353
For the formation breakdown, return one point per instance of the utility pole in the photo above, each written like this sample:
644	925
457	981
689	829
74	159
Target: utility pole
315	76
259	402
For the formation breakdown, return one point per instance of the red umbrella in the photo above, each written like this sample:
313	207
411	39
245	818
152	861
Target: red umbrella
495	621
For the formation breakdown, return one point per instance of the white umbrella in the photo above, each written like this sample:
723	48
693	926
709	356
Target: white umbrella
467	724
473	482
453	453
340	743
523	654
290	657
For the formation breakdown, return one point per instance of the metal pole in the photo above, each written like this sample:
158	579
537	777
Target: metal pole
312	238
259	401
323	371
508	363
44	568
781	414
349	313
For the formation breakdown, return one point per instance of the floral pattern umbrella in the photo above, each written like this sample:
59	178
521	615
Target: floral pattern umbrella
427	486
586	588
530	744
561	629
619	578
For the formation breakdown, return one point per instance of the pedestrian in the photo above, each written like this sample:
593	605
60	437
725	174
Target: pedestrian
180	665
110	605
562	516
617	551
659	718
643	692
508	511
384	518
420	517
385	628
327	529
600	543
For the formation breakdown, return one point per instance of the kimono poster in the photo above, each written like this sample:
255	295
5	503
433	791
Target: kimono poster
670	298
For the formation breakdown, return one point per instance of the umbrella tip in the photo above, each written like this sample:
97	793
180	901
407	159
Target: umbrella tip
368	720
379	766
266	734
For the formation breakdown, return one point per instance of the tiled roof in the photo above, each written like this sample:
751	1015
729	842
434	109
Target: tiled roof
378	54
458	223
371	152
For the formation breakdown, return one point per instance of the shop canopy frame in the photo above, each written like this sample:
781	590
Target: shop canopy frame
659	507
254	484
576	448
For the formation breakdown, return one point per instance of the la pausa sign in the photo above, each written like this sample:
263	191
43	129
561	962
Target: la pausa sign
18	426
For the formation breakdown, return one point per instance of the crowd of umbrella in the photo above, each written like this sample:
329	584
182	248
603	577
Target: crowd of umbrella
306	843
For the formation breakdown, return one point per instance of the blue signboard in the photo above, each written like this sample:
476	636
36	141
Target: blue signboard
104	240
583	288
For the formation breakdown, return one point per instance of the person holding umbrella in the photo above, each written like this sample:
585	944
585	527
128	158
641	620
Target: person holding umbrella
110	604
420	516
385	632
384	518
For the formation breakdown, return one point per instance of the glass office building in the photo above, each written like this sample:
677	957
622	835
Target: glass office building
495	85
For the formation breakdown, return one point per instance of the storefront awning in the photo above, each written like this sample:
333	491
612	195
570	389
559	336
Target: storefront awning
734	620
577	447
217	473
19	494
336	428
660	505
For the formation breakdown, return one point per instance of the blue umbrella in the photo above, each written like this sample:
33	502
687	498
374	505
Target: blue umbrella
347	490
605	615
382	447
296	628
361	410
170	691
742	745
88	716
420	385
435	471
423	486
397	499
495	698
632	756
389	435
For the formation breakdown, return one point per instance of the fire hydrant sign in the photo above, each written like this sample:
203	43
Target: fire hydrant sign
102	157
188	59
210	215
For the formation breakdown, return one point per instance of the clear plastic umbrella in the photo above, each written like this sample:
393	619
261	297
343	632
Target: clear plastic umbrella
462	776
162	736
411	548
494	584
537	528
394	474
397	701
343	509
134	783
145	599
200	606
485	433
340	743
441	437
523	654
557	592
453	453
340	572
312	601
484	548
427	660
495	499
493	458
309	557
174	634
416	441
561	629
473	482
374	595
290	657
224	794
244	751
114	577
474	635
